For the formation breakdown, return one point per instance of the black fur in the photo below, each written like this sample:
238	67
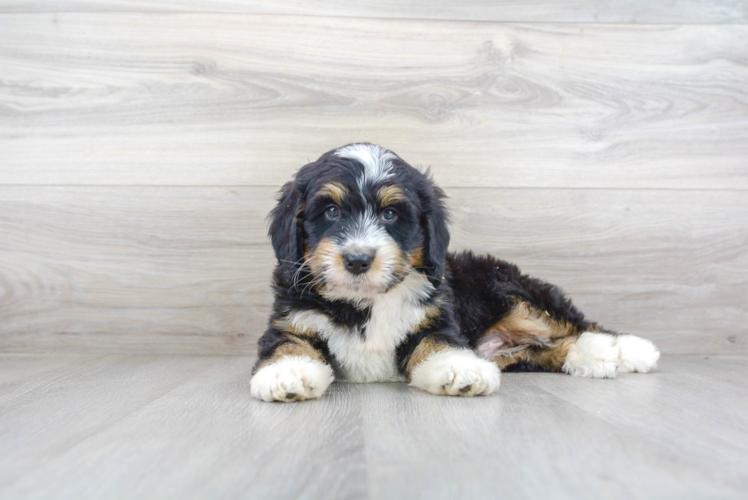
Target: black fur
486	287
434	226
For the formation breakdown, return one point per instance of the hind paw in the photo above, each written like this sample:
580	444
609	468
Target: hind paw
600	355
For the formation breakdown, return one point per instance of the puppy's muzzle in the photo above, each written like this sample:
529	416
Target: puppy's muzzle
358	263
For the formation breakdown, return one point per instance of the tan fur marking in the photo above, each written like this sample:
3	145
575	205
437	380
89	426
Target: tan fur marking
432	313
376	266
389	195
594	327
400	266
554	357
297	347
510	356
550	358
415	257
333	190
423	350
286	326
315	259
526	325
325	251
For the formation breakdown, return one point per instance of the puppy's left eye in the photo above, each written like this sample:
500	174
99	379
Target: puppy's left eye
332	212
389	215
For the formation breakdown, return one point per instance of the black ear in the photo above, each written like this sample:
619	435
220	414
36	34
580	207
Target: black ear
436	235
286	231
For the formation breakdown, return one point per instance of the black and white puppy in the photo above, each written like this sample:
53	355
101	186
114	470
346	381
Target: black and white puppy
366	291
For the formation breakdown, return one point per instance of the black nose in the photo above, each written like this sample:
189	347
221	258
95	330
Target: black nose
358	263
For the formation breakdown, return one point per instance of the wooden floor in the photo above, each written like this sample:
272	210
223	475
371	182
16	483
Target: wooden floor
151	426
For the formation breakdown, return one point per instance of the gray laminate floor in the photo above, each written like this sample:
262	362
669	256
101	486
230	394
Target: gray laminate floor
145	426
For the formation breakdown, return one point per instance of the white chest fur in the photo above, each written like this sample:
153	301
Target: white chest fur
371	357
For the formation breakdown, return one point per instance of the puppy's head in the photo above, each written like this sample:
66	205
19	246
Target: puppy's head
357	221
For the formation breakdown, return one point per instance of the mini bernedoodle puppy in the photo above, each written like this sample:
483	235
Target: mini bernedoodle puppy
366	291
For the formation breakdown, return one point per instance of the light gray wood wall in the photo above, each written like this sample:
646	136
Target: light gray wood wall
600	145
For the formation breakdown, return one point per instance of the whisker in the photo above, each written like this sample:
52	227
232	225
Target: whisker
315	281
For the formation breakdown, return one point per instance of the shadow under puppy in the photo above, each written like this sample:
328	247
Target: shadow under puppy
365	291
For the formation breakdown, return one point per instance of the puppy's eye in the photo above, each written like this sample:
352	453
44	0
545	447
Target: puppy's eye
332	212
389	215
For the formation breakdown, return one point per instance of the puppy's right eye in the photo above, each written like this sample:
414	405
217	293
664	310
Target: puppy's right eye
332	212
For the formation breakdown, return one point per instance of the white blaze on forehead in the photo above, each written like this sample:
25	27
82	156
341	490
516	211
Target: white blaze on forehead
375	159
367	232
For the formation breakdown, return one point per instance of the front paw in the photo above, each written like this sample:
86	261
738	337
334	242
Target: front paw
291	378
456	372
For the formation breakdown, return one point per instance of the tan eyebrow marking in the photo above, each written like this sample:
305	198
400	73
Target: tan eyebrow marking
389	195
334	190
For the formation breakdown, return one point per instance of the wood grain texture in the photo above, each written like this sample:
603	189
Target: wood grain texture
177	427
139	268
125	426
20	374
607	11
187	269
221	99
697	390
474	448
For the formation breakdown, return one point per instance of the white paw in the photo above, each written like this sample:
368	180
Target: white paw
637	354
291	378
593	355
456	372
599	355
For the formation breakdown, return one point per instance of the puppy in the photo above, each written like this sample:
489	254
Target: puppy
366	291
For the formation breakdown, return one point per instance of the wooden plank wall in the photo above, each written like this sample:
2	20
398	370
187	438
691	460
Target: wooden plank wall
602	145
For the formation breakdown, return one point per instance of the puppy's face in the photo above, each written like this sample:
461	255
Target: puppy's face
363	235
361	222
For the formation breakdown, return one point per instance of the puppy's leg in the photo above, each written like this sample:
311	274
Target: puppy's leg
291	371
530	339
442	369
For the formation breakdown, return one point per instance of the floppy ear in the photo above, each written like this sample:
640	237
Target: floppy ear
286	231
436	235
